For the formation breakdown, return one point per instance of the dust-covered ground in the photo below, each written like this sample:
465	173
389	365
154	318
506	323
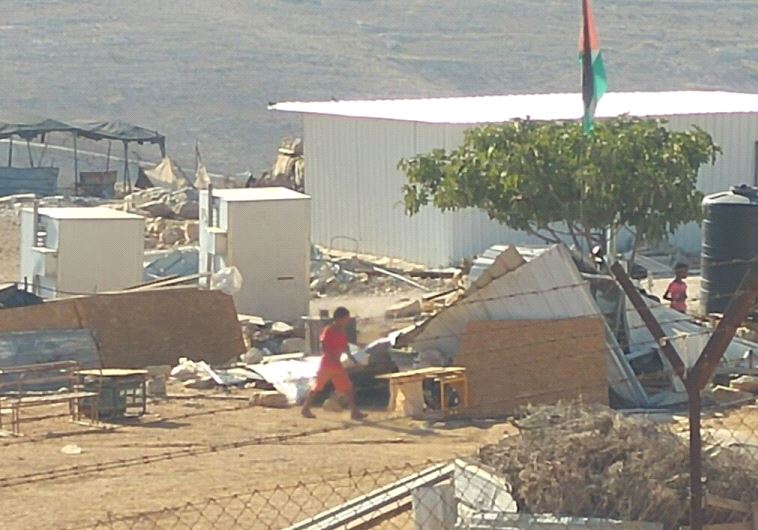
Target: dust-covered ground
194	69
190	449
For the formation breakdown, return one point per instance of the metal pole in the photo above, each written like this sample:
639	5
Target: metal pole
209	256
127	180
76	165
35	222
10	151
29	151
108	156
696	456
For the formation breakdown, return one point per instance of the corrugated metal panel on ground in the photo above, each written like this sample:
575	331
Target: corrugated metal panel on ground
42	181
33	347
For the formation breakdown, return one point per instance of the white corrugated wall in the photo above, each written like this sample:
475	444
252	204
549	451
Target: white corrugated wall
352	176
737	135
351	173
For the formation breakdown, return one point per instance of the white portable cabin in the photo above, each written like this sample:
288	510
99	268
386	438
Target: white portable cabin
67	251
352	149
265	233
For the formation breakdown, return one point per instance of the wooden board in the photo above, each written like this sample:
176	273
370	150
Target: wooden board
423	372
143	328
510	364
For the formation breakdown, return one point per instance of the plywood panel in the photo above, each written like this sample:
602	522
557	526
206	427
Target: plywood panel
511	364
137	329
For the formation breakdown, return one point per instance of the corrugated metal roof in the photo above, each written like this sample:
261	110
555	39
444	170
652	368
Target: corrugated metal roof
498	109
276	193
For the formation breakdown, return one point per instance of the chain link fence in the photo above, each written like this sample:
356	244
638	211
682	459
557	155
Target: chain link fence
571	465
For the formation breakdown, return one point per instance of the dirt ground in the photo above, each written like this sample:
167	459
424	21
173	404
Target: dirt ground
233	450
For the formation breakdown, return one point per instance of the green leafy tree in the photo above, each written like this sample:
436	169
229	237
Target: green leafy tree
550	180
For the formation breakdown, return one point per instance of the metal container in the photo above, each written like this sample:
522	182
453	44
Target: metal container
730	243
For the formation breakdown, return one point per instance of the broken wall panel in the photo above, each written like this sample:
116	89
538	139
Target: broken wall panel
511	364
138	329
549	286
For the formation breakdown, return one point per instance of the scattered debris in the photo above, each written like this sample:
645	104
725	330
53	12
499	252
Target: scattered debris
71	449
270	399
404	308
724	395
282	328
336	274
746	383
292	345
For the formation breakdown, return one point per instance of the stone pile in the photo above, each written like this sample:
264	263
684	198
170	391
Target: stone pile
171	215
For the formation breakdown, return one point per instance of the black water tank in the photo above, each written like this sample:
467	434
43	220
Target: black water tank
730	239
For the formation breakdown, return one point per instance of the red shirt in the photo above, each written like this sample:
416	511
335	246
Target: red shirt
333	344
677	291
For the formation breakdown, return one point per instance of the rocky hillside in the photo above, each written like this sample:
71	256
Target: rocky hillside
199	69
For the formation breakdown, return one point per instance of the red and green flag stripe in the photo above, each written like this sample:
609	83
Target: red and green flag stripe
594	83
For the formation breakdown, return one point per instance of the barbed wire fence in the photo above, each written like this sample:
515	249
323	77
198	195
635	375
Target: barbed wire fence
573	464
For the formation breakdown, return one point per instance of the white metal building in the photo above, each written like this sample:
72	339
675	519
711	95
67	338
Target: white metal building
80	250
352	149
265	233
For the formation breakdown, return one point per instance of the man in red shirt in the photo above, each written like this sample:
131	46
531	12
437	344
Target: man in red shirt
334	343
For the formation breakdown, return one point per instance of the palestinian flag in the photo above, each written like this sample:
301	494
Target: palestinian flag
594	83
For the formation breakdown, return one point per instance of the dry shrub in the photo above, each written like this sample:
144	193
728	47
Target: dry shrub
590	461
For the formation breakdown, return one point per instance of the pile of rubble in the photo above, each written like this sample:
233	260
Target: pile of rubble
338	275
172	216
591	461
266	338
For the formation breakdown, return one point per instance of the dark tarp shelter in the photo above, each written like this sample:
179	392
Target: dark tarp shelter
29	127
118	130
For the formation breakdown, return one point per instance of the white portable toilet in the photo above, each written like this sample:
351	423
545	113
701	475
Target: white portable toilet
68	251
265	233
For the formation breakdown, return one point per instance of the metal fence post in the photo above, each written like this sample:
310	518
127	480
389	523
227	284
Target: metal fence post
696	456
